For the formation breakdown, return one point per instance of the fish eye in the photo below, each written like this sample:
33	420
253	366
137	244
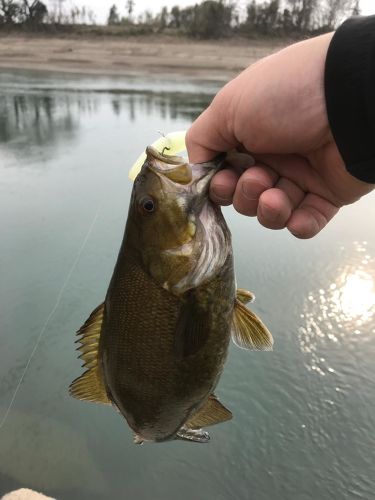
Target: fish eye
147	205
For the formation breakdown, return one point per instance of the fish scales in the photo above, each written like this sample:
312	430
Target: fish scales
139	358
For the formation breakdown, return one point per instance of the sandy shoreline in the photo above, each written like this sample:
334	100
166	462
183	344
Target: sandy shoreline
215	60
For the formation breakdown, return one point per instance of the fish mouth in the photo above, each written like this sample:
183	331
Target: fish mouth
178	170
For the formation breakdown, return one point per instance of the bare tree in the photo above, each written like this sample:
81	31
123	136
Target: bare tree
9	11
302	13
338	10
113	16
83	14
163	18
91	16
34	12
209	19
148	17
74	13
175	17
130	8
59	10
356	9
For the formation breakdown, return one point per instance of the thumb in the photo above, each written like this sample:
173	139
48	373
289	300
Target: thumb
208	135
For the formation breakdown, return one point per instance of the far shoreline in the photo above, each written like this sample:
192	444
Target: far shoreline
164	56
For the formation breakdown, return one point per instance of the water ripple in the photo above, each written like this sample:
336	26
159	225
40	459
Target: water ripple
341	313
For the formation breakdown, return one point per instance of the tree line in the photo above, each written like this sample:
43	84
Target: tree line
219	18
12	12
206	19
34	13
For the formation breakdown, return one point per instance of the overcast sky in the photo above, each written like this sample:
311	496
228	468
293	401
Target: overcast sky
101	7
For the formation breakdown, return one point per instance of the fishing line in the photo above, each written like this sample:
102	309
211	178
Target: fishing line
49	317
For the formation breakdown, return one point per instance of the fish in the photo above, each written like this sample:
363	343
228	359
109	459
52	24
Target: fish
156	347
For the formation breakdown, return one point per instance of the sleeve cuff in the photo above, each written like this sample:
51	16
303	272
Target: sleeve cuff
350	94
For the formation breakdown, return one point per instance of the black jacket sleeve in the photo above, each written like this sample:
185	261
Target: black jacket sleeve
350	94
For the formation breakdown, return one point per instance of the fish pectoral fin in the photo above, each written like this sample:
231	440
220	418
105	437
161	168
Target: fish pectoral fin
248	331
90	386
212	412
191	329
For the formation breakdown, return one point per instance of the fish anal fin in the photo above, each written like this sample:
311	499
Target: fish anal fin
90	386
248	331
212	412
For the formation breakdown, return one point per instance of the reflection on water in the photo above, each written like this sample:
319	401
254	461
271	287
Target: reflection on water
167	106
354	297
44	119
345	308
26	112
37	120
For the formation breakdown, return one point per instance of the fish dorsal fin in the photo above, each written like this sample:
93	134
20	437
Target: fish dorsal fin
248	331
244	296
90	385
211	413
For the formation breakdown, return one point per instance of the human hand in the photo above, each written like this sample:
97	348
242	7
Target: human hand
276	111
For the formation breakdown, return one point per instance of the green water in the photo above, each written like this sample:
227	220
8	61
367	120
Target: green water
304	415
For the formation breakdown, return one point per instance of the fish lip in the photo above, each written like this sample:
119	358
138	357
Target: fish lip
153	153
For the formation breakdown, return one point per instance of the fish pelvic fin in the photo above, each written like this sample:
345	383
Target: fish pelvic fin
212	412
248	331
244	296
90	386
193	435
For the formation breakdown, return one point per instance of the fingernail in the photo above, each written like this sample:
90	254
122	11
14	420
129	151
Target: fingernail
252	191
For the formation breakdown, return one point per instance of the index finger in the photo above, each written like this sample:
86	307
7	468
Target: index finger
207	136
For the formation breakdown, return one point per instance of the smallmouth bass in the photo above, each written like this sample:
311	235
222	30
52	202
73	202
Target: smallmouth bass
156	347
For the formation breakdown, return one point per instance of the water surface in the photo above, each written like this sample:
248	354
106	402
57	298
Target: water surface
304	414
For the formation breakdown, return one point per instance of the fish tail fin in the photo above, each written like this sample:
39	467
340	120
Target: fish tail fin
248	331
90	386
